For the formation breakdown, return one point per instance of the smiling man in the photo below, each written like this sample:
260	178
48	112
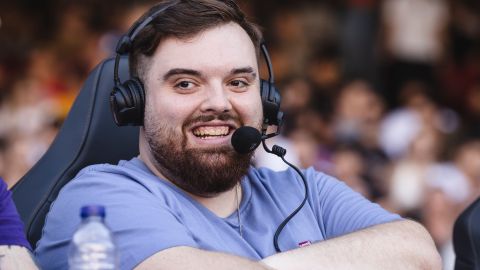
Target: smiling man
189	201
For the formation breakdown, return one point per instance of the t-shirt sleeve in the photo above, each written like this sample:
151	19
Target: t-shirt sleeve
342	210
142	226
11	227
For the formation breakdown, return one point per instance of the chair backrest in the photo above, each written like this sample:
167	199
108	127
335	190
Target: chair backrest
466	238
88	136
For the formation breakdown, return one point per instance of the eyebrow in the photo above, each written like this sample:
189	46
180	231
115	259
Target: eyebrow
181	71
192	72
244	70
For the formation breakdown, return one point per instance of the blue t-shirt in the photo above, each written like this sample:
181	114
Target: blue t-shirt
148	214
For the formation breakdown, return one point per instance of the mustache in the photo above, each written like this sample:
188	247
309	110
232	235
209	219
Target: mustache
208	118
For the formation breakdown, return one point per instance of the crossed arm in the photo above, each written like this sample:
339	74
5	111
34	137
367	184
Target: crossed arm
396	245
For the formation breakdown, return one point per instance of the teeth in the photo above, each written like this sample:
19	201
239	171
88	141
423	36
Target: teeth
211	131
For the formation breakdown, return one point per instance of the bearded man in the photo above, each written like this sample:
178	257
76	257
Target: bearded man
189	200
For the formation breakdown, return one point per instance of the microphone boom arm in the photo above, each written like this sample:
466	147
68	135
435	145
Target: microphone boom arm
281	152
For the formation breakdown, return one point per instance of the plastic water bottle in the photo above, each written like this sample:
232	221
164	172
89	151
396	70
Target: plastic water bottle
92	246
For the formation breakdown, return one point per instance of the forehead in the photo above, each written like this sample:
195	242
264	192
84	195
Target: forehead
223	47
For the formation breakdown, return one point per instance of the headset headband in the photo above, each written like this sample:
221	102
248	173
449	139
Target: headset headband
271	77
125	43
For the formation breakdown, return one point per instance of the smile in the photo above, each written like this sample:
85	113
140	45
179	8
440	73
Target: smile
209	132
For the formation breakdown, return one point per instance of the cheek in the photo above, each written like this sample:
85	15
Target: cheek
250	109
170	111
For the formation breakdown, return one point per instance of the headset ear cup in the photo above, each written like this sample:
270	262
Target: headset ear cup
141	92
138	95
119	100
271	103
127	103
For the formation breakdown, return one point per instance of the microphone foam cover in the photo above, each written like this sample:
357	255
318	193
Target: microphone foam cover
246	139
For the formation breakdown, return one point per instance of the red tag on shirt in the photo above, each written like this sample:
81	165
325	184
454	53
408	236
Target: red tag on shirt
304	243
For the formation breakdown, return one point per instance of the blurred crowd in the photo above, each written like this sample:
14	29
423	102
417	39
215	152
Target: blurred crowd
383	94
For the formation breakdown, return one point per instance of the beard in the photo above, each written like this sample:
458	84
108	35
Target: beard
201	172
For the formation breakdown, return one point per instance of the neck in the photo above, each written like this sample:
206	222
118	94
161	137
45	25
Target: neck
222	204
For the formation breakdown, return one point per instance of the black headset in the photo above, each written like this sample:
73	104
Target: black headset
127	99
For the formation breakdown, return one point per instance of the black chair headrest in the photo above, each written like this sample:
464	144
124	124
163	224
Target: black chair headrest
88	136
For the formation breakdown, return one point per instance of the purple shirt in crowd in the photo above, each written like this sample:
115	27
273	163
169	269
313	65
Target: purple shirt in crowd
11	227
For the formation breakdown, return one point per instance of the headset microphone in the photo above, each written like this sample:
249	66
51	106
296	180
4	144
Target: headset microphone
246	139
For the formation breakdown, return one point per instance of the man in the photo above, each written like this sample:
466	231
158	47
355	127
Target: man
189	201
14	247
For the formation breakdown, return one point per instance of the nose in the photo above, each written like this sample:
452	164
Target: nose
216	100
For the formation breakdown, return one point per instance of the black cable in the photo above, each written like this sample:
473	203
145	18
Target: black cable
279	151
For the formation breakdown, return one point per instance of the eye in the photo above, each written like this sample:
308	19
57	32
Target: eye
239	83
185	85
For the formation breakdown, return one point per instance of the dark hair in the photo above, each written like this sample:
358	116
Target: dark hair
185	19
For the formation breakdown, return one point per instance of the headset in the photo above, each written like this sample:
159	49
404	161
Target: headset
127	99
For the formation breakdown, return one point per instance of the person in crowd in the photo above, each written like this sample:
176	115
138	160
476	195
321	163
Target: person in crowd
189	200
413	43
15	251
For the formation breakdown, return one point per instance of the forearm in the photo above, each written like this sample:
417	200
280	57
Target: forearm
183	258
395	245
16	257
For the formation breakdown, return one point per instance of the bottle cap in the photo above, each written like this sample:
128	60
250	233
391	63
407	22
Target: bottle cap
92	210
